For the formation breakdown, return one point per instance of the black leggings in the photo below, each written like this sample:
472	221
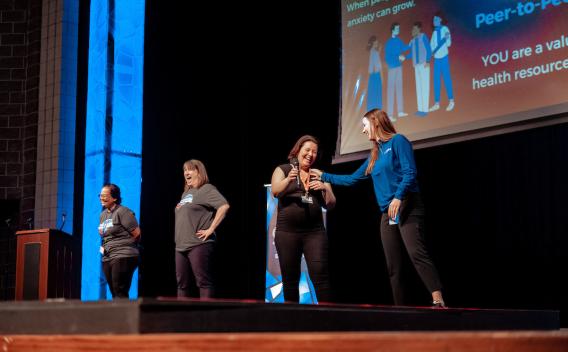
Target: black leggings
195	268
118	273
408	235
290	246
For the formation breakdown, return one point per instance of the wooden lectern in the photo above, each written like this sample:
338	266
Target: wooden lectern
48	265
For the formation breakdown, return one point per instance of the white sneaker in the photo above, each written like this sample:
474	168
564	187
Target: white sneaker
402	114
450	106
435	107
393	119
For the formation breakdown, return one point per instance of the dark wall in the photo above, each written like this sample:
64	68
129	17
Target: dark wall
495	223
497	209
238	102
20	35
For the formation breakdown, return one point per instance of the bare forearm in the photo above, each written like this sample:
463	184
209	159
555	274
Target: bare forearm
329	196
280	186
219	216
280	182
136	232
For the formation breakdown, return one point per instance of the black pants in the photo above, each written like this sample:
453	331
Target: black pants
118	273
194	267
408	235
290	246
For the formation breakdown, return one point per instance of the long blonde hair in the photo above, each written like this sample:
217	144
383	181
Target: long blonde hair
380	126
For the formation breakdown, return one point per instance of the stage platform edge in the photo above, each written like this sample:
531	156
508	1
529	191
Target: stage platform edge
168	315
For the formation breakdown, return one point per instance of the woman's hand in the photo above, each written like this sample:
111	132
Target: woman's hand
280	181
204	234
293	174
136	233
317	185
219	216
316	173
394	207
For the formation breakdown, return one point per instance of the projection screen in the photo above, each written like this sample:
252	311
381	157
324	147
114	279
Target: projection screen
447	69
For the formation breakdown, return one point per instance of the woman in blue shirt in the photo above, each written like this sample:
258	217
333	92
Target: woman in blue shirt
392	168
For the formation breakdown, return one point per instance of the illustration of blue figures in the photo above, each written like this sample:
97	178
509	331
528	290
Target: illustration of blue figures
375	84
394	56
440	42
421	54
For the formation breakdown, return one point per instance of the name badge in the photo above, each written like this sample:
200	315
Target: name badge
307	199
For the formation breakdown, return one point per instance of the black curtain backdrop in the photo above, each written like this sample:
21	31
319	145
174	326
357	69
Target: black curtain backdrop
496	207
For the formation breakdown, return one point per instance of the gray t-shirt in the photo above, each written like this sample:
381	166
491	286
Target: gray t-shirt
196	211
117	240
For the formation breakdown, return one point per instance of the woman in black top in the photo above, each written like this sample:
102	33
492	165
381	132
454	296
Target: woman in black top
299	223
120	235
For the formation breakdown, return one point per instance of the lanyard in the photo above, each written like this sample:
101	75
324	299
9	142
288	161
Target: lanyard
305	182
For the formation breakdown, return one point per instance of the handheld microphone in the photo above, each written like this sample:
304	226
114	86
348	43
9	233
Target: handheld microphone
295	163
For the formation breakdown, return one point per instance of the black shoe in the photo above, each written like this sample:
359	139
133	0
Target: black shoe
439	304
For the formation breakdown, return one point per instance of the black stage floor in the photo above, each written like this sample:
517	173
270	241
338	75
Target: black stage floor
174	316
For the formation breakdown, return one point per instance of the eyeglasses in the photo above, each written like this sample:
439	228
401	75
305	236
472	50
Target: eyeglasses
104	196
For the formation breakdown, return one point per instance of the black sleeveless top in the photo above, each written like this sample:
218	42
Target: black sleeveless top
295	215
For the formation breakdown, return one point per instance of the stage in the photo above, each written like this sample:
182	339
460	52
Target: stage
170	315
176	325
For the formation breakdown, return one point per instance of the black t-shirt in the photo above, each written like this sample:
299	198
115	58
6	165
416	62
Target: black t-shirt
295	215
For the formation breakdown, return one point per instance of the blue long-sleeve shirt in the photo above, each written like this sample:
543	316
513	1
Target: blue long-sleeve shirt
393	175
393	49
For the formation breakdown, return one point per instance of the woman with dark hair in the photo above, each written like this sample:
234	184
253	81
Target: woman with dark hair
375	83
198	213
393	171
120	235
299	223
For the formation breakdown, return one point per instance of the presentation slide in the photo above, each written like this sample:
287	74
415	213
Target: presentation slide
439	68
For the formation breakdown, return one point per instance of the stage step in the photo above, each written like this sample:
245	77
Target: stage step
550	341
148	316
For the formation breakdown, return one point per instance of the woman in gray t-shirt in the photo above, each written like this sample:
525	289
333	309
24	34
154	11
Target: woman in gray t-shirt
120	234
198	213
